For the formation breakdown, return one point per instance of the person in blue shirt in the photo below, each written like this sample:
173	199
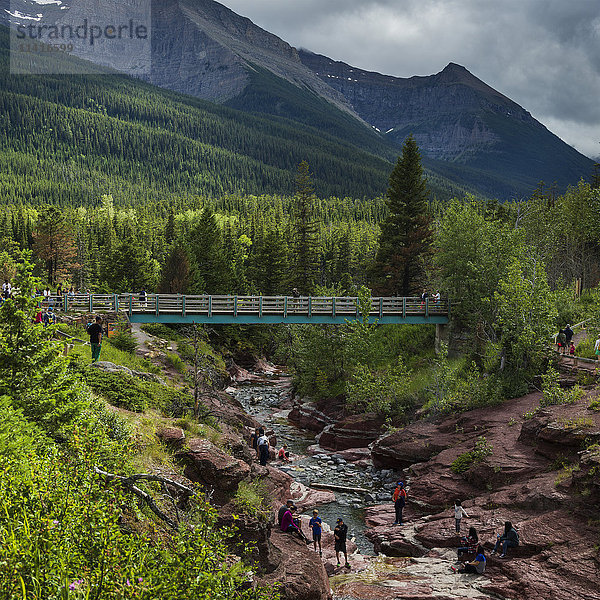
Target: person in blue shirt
476	566
316	525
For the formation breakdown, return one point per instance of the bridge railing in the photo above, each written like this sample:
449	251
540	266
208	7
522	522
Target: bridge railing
246	305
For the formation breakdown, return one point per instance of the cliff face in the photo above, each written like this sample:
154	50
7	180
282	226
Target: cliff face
202	48
445	112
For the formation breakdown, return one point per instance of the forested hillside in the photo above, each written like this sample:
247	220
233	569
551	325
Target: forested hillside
73	138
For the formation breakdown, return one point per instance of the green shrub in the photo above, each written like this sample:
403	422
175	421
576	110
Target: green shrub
123	340
553	394
65	538
161	330
251	498
466	460
174	361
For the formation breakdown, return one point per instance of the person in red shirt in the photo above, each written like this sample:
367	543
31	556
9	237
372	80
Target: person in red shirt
399	498
283	454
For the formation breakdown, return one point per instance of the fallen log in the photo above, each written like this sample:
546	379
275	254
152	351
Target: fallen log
339	488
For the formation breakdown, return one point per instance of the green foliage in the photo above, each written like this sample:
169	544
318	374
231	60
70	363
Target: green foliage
594	405
32	372
456	387
161	330
65	538
383	392
252	499
174	361
305	233
466	460
126	391
399	268
553	394
123	340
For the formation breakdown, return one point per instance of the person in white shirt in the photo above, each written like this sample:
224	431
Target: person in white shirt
459	512
263	449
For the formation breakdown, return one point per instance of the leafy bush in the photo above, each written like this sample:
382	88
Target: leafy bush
252	499
67	540
383	392
594	405
466	460
161	330
174	361
553	394
456	387
123	340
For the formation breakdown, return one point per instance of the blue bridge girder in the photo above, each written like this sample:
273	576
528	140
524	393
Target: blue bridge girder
254	310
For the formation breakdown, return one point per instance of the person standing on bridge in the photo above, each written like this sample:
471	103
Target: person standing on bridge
94	330
568	335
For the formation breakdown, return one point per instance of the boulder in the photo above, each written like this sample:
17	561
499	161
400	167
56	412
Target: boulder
306	416
174	437
210	466
300	574
355	431
414	444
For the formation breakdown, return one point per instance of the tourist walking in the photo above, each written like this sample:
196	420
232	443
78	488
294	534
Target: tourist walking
561	341
340	534
94	330
597	348
399	497
459	513
568	334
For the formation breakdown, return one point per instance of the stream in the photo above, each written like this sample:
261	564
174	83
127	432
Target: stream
262	400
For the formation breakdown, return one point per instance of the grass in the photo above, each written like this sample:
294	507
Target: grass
174	361
202	430
151	454
109	353
576	423
466	460
566	472
251	498
162	331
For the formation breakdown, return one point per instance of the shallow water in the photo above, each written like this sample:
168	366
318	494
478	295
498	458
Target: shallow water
263	401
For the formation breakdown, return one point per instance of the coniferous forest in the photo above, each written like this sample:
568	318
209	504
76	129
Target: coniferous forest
108	185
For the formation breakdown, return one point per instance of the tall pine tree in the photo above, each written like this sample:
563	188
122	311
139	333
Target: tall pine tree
306	243
405	240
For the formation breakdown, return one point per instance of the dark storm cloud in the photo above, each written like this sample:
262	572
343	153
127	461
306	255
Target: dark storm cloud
544	54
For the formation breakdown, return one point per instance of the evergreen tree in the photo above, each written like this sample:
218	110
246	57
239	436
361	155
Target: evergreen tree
210	270
405	234
306	233
130	268
55	245
176	272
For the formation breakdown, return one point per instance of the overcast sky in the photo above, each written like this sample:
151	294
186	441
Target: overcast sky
543	54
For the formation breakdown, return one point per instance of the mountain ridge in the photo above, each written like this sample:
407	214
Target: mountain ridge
463	126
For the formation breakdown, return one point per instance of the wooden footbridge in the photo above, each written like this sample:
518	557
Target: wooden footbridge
248	310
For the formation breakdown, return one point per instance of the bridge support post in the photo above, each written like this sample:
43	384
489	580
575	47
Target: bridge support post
441	336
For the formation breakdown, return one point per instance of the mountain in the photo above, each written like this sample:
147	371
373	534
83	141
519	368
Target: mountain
469	133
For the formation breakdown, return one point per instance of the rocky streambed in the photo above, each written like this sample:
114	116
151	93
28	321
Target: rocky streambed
542	474
356	483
